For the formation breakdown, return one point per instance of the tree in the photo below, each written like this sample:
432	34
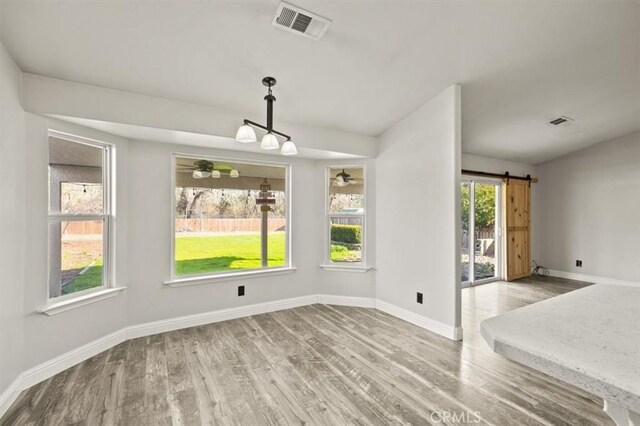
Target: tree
194	202
183	202
485	206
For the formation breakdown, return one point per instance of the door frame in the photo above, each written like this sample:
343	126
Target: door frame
499	232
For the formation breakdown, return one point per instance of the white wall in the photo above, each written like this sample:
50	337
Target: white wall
46	337
587	206
13	193
143	244
425	146
150	236
418	210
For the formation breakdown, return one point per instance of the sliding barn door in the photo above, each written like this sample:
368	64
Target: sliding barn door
517	205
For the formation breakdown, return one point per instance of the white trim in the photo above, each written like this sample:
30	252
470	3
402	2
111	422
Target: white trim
175	280
172	324
230	276
498	230
60	363
346	268
592	278
107	215
8	397
53	308
453	333
360	302
329	216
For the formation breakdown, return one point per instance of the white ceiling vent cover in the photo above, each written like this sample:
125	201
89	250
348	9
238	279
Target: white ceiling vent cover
299	21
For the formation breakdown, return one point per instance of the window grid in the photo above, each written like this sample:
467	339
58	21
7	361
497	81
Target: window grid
331	216
106	218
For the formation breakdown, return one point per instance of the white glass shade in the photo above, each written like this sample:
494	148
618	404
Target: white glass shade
340	181
234	173
215	174
246	134
289	148
199	174
269	141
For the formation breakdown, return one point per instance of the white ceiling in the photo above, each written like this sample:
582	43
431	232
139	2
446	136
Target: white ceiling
520	63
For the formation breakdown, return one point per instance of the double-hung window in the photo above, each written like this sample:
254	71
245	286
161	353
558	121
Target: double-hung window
229	217
346	215
80	215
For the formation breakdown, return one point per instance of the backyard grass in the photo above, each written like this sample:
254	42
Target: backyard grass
341	253
91	278
198	255
76	255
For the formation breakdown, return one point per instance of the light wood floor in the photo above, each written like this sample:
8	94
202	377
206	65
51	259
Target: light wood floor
318	364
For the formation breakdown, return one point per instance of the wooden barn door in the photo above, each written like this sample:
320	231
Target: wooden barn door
517	205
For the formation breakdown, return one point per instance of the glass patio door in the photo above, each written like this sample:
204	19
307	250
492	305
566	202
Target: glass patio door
480	259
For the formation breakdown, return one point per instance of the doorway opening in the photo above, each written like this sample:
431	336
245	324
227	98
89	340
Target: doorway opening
481	231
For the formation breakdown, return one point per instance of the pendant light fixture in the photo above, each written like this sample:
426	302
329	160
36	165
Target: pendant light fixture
246	133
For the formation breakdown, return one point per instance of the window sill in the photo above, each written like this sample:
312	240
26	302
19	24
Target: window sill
54	308
232	276
346	268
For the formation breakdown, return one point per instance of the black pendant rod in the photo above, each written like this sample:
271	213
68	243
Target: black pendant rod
275	132
268	82
505	175
270	98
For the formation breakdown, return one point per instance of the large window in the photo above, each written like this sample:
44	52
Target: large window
346	215
229	216
79	215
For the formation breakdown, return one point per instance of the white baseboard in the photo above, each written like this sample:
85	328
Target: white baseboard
360	302
60	363
592	278
453	333
10	394
178	323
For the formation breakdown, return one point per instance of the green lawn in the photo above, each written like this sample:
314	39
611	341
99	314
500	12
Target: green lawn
198	255
343	254
91	278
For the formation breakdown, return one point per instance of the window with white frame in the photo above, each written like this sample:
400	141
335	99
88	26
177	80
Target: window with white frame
80	215
229	216
346	214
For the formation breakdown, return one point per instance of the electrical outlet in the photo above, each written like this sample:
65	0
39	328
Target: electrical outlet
419	298
579	263
240	290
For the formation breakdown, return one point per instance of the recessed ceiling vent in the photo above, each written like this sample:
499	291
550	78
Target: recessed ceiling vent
299	21
562	121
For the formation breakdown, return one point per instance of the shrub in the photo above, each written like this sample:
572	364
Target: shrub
348	234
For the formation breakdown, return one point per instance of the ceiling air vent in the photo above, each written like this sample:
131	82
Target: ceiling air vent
561	121
298	21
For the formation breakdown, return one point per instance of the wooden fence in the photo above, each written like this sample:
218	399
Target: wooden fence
186	225
227	225
93	227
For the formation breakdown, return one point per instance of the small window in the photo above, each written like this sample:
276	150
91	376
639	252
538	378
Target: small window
346	215
229	216
79	216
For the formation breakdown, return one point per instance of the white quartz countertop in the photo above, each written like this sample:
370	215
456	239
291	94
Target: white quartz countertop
589	338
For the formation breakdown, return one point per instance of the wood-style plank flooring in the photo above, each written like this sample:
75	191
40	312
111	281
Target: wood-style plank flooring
326	365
